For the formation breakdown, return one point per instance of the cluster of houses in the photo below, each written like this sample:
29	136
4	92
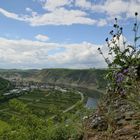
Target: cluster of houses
16	91
24	87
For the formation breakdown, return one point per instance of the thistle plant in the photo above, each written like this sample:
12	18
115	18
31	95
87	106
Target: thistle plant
123	59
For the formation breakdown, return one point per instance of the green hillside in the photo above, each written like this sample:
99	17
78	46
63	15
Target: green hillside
82	78
4	85
17	72
86	78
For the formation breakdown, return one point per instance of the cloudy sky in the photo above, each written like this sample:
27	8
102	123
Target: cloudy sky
60	33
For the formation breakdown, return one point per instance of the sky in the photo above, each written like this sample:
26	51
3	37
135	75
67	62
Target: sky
60	33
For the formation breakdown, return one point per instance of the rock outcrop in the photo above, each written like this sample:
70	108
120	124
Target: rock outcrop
116	118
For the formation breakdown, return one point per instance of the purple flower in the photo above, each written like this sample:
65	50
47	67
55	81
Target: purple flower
119	77
125	71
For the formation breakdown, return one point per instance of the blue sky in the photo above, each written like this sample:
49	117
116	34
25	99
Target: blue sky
60	33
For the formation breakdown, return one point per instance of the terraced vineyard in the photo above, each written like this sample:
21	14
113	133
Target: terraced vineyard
43	103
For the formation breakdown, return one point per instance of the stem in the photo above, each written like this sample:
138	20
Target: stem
135	36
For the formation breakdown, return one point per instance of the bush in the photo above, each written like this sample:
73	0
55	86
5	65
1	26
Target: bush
123	60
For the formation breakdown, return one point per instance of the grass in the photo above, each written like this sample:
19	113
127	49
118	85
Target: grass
4	127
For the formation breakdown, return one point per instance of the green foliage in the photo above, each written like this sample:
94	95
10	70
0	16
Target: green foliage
4	127
4	85
25	125
18	106
45	103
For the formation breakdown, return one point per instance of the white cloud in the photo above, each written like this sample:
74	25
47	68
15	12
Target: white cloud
102	22
111	9
62	16
36	54
117	7
23	51
83	55
12	15
83	4
28	9
41	37
59	16
51	5
68	12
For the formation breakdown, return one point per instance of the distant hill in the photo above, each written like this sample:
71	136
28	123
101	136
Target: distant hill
86	78
17	72
82	78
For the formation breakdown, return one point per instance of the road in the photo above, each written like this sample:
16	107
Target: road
71	107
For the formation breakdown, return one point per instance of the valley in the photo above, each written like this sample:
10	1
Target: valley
46	97
60	97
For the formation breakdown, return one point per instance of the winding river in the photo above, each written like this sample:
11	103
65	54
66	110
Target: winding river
93	97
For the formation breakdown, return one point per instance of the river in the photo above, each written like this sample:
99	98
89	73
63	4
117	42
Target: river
93	97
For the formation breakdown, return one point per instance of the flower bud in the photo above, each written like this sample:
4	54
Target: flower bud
136	13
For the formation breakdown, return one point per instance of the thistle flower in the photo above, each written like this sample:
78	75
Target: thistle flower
111	32
135	24
121	28
115	25
99	49
106	39
114	35
125	71
119	77
136	13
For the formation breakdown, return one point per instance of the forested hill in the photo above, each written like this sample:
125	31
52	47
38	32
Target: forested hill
84	78
91	78
4	85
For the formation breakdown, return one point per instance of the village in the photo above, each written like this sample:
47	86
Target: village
25	87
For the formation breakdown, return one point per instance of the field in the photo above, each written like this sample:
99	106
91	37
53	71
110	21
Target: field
43	103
